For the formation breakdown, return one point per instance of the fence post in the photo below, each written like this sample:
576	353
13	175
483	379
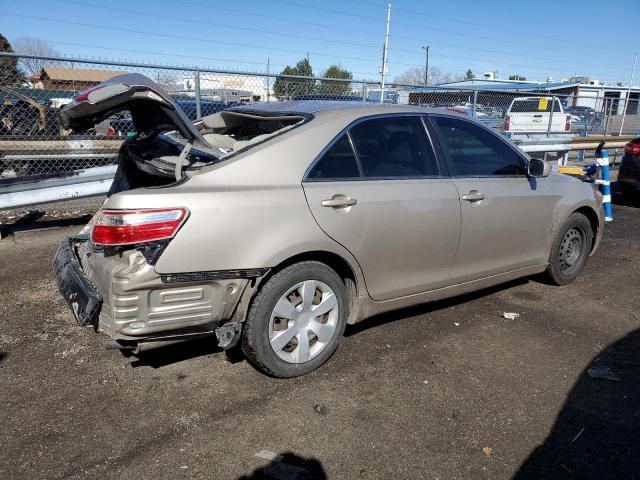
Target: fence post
475	102
553	106
364	92
197	93
605	182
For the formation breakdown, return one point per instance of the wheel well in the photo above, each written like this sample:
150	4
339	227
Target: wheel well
592	216
333	261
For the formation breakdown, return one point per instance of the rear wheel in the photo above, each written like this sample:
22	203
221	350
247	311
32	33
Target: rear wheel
570	250
296	320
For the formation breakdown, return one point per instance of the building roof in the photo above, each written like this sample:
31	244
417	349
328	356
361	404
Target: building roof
78	74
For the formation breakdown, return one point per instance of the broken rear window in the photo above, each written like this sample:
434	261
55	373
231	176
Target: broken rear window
228	132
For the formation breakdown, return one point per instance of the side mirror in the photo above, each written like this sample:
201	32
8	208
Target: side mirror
538	168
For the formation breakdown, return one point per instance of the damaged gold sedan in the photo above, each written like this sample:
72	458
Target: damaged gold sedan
275	225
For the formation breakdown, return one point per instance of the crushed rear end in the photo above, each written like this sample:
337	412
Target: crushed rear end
108	275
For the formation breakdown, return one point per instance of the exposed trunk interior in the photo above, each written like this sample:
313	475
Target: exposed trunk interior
150	160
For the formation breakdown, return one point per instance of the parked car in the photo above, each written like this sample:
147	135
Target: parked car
276	224
584	118
533	115
629	173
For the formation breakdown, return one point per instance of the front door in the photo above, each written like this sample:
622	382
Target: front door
506	216
389	205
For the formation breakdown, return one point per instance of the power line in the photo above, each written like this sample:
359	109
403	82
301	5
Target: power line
177	55
411	25
214	24
466	22
186	37
394	49
312	38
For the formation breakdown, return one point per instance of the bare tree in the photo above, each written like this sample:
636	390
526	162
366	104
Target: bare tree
415	76
37	47
167	81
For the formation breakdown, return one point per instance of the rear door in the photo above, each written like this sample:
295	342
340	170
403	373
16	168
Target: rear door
506	216
378	190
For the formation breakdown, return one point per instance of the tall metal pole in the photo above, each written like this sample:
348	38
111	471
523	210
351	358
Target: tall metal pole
426	65
384	53
626	106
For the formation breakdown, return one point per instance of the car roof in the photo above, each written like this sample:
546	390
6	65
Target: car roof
318	106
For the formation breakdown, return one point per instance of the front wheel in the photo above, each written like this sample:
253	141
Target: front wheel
296	320
570	250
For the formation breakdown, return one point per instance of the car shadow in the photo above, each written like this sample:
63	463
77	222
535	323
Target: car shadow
31	223
424	308
597	432
178	352
289	466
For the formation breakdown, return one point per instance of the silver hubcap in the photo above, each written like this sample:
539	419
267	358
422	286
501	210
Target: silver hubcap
571	249
303	321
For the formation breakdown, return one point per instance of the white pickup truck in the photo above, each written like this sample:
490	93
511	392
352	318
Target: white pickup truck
533	116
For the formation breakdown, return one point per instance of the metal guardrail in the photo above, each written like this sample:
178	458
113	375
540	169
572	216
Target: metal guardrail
78	184
558	144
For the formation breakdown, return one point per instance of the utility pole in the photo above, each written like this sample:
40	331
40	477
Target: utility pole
384	53
626	105
426	65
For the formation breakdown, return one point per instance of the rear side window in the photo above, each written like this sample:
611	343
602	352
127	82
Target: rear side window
394	147
533	105
473	151
339	162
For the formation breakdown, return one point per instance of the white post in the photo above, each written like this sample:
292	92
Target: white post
626	105
384	53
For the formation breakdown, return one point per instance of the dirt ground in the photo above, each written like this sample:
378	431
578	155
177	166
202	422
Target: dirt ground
450	390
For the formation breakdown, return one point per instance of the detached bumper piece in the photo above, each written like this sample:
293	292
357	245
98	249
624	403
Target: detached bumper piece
83	300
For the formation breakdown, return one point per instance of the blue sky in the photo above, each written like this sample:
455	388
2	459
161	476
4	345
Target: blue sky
536	39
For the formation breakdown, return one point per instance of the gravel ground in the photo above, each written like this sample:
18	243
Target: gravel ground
449	390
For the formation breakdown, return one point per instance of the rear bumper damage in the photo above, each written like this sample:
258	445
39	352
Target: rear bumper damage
76	289
123	296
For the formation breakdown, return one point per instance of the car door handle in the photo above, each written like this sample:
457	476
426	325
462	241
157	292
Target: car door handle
474	196
339	202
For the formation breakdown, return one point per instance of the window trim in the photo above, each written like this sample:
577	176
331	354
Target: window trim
440	162
450	164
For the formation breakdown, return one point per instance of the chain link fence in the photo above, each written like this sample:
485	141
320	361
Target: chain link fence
33	143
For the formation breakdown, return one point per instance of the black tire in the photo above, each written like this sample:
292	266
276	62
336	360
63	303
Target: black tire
570	250
255	336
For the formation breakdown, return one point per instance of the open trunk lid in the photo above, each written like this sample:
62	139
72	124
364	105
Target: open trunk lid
151	108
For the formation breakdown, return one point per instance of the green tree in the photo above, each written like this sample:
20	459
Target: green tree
469	75
336	88
517	77
9	73
287	88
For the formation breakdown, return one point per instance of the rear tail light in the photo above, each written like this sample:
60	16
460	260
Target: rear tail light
567	124
111	132
507	123
127	227
632	148
100	92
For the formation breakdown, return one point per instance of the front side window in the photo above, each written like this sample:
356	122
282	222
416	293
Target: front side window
339	162
473	151
394	147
